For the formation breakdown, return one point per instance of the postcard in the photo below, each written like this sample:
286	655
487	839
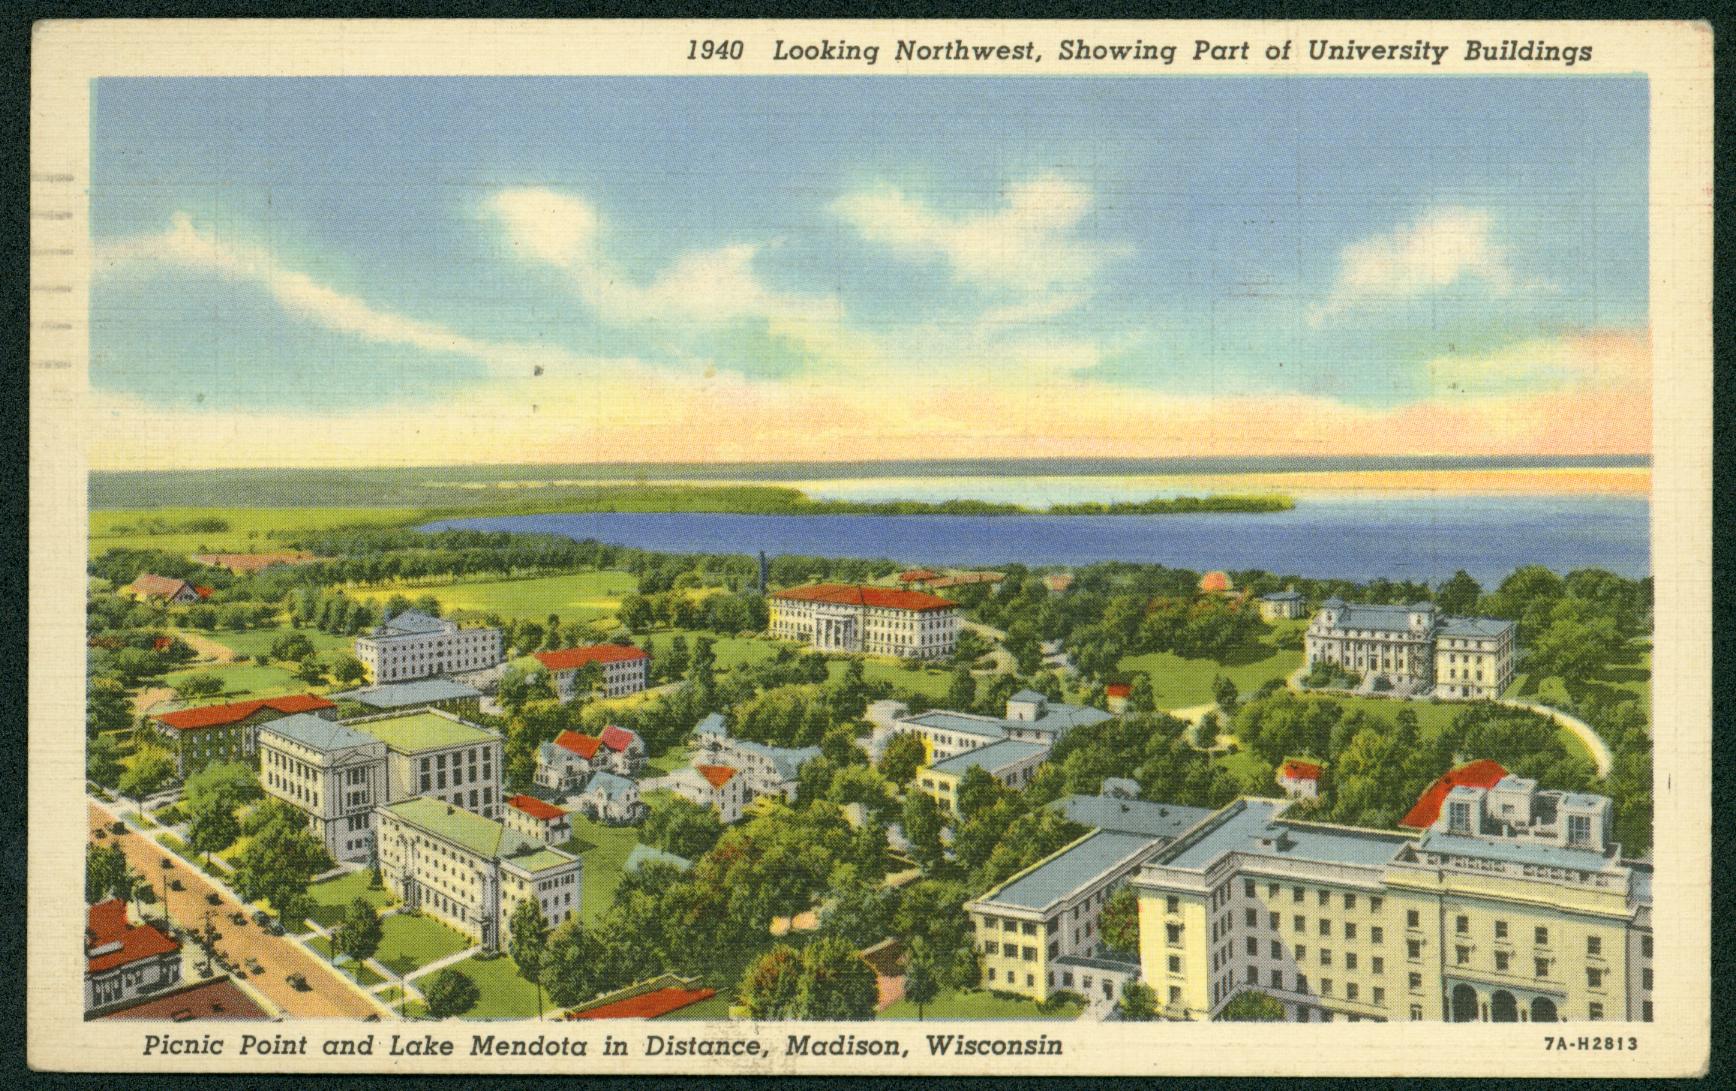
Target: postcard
928	548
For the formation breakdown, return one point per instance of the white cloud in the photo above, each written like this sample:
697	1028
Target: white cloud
1440	248
556	228
1027	244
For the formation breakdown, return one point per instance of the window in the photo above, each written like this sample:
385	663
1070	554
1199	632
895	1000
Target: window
1377	934
1175	964
1646	1011
1413	919
1173	932
1646	979
1501	960
1248	887
1350	991
1271	890
1252	918
1542	965
1296	894
1349	929
1542	936
1350	901
1594	1011
1029	954
1416	981
1416	1012
1253	946
1173	904
1379	966
1175	994
1462	925
1030	928
1277	979
1301	952
1500	929
1301	983
1253	976
1325	956
1594	977
1277	951
1326	986
1374	904
1010	925
1300	923
1646	945
1272	921
1350	960
1594	945
1380	997
1324	897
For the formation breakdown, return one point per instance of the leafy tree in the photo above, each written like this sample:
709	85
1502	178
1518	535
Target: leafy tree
922	822
570	964
977	791
347	670
961	693
1459	595
1141	698
772	984
151	769
280	861
528	943
428	604
106	874
233	781
1138	1002
106	707
292	647
518	687
450	994
311	671
212	826
1224	692
102	761
921	978
860	913
195	686
702	670
359	934
1252	1006
1119	923
835	982
684	828
635	612
902	757
932	911
134	665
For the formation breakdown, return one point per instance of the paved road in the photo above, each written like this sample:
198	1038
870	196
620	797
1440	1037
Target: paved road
331	995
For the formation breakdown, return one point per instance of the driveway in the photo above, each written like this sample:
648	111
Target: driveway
330	996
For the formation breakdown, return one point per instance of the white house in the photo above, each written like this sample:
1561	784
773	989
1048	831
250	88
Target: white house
716	786
611	799
414	645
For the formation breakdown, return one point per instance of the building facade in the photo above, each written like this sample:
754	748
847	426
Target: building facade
835	617
1031	717
440	693
1476	919
438	755
333	774
472	872
125	962
719	787
1010	762
1409	645
770	770
414	645
1281	605
625	668
198	737
538	818
1474	657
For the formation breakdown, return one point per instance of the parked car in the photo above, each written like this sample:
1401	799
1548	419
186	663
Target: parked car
239	918
213	899
260	917
297	982
117	826
176	884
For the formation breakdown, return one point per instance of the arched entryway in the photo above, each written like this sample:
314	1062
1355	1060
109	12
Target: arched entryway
1503	1008
1464	1004
1543	1010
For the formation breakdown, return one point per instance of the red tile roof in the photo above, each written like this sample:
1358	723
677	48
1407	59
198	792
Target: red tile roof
1119	690
916	575
718	775
219	998
536	808
1299	770
158	586
203	591
647	1005
1481	773
192	719
845	594
571	658
106	925
617	739
583	745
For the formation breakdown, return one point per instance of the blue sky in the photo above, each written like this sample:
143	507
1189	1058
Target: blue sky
1379	244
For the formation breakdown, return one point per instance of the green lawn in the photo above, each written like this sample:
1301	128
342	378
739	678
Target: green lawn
251	530
730	650
504	994
1185	683
257	642
934	683
663	764
605	850
408	943
359	974
575	596
977	1004
332	897
242	681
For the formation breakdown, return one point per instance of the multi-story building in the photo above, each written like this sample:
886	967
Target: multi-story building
333	774
770	770
1031	717
1299	779
1010	762
414	645
625	668
1408	645
436	754
472	872
1038	932
539	819
1281	605
1513	907
198	737
836	617
719	787
124	961
440	693
566	763
612	799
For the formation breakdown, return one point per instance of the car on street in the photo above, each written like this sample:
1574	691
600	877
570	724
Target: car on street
297	982
117	826
176	884
213	899
239	918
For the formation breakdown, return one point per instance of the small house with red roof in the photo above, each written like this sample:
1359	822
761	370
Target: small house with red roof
625	668
229	732
539	819
1482	773
1300	779
125	961
566	763
918	577
1116	696
720	787
622	751
163	589
851	618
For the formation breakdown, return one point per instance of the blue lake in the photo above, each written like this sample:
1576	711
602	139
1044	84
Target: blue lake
1425	537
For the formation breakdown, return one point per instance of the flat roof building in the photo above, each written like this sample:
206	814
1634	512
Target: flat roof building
414	645
335	775
436	754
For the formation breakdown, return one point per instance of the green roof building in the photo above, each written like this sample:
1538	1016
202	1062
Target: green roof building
433	753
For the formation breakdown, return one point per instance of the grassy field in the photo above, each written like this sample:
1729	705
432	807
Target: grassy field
665	763
242	681
355	972
605	850
977	1004
256	643
1184	683
250	530
575	596
504	994
1630	674
409	942
730	650
332	897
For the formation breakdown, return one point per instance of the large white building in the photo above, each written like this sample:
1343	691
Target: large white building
1414	648
837	617
333	774
414	645
436	754
472	872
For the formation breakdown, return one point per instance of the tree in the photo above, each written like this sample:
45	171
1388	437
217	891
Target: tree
106	874
977	791
280	861
921	981
451	993
922	824
1141	698
835	982
527	944
212	826
292	647
634	612
902	757
106	707
311	670
701	671
1459	595
102	761
588	679
359	934
151	769
961	693
233	781
518	687
771	985
347	670
684	828
1224	692
1138	1002
1119	923
195	686
1252	1006
570	970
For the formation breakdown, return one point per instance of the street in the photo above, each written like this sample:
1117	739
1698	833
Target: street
330	995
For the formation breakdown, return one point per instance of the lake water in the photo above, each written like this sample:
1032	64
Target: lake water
1399	536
